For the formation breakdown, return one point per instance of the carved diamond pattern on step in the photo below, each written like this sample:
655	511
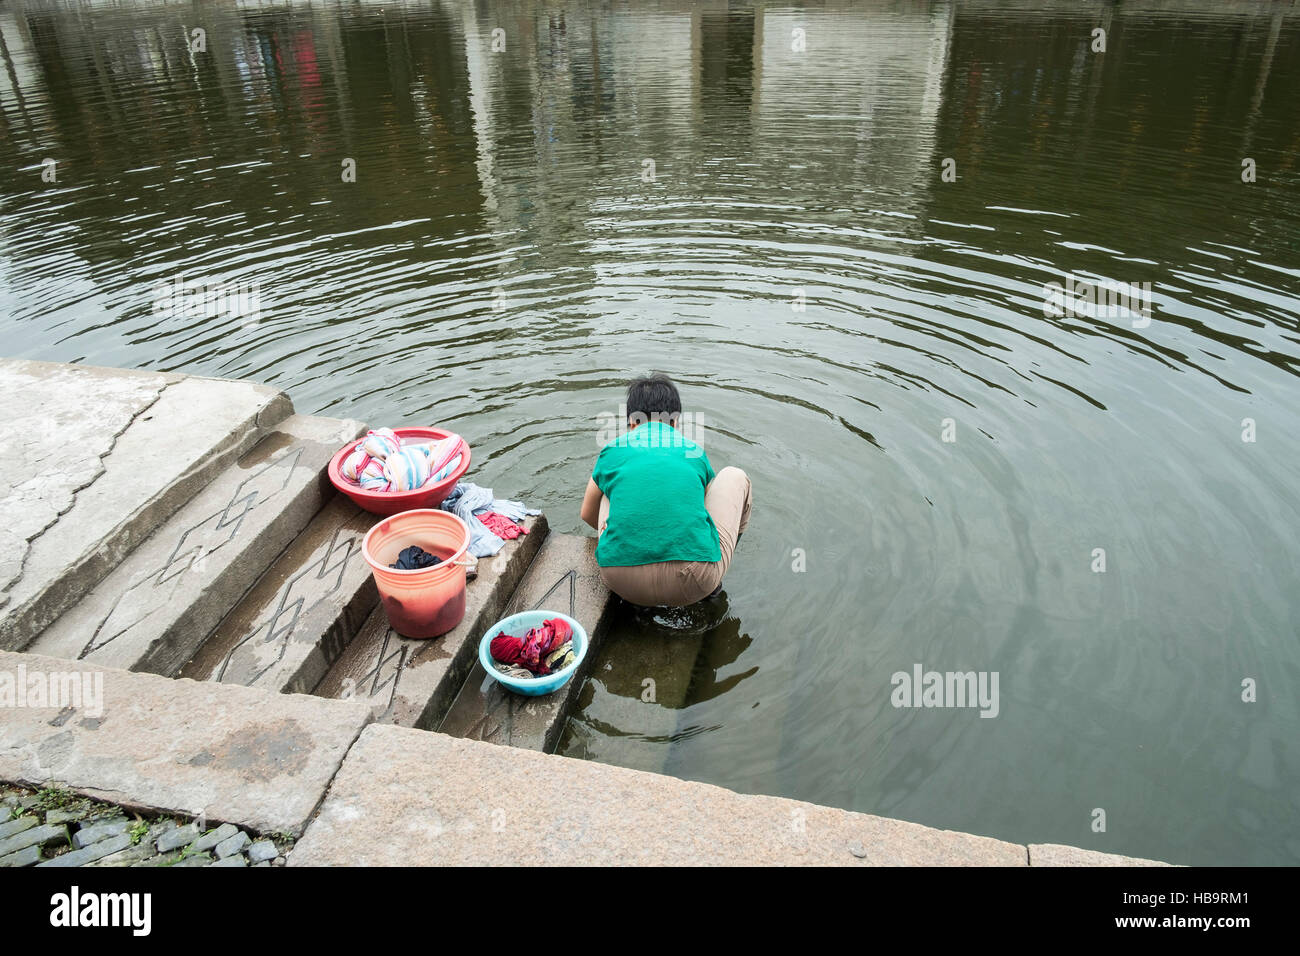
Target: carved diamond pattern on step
192	552
572	578
385	673
329	564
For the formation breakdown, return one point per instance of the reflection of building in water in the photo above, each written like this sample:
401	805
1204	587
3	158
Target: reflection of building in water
588	91
864	92
691	86
550	135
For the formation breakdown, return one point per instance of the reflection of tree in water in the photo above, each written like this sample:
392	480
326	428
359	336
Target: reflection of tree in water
1029	110
1139	148
252	132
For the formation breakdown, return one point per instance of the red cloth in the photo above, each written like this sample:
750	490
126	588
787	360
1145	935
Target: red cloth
530	650
500	525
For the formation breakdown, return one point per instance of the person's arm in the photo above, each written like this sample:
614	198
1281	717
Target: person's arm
709	473
591	503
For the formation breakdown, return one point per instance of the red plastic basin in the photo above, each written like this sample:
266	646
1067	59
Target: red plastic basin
393	502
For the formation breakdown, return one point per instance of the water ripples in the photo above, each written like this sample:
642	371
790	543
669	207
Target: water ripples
829	305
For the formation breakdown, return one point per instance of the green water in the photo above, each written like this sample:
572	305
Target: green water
833	308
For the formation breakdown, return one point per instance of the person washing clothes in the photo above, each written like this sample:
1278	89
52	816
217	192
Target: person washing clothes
667	524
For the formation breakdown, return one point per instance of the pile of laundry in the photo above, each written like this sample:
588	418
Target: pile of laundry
383	462
543	650
491	521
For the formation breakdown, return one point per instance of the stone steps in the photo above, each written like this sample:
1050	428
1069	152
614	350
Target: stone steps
154	610
648	672
106	457
413	682
241	755
639	683
564	578
296	621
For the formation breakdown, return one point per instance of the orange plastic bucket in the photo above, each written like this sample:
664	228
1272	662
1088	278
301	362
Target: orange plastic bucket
430	601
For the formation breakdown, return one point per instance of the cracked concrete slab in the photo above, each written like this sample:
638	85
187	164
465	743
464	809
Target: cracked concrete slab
564	578
109	454
158	605
413	682
61	439
236	754
406	797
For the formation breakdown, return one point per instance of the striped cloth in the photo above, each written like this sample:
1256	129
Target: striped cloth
382	462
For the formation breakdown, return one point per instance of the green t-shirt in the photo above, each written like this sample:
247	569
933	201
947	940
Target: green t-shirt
654	478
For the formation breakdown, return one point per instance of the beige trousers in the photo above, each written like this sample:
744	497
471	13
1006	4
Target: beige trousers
679	583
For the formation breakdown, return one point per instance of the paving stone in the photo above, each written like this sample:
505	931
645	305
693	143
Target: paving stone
405	797
1055	854
232	845
153	442
254	758
158	829
176	838
155	608
65	816
263	863
126	857
230	861
90	853
213	837
27	856
300	615
35	836
18	826
197	859
262	850
565	578
96	814
413	682
99	831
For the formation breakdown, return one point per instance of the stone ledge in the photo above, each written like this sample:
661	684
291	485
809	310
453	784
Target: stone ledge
566	577
299	617
411	682
41	399
408	797
154	610
153	443
1056	854
236	754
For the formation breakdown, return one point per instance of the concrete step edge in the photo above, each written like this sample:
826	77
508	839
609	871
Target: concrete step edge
155	609
34	606
297	619
564	577
412	683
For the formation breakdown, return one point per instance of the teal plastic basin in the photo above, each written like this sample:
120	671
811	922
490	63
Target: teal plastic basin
519	625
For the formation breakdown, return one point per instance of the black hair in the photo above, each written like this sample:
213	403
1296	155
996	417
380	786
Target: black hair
653	398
